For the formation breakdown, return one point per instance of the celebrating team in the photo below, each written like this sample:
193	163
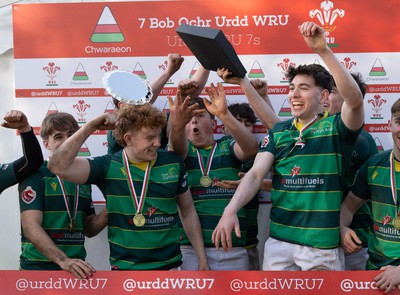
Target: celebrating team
186	206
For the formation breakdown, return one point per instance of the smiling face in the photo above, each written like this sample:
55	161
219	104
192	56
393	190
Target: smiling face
200	130
142	145
306	98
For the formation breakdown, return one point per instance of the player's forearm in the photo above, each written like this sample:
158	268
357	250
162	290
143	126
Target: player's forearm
345	84
158	84
33	157
192	227
200	77
246	190
65	154
261	107
42	242
178	141
346	215
245	140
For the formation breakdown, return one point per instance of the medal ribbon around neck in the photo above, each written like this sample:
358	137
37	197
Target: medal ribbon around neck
300	142
205	171
137	203
76	201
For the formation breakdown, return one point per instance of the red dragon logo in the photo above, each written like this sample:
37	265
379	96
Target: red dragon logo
28	195
295	171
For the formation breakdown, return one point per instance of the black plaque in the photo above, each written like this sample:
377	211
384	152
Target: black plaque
211	48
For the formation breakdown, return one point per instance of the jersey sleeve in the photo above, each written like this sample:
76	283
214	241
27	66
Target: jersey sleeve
98	169
360	186
7	176
31	192
268	144
348	136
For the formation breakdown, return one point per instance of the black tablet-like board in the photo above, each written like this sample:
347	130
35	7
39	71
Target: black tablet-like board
211	48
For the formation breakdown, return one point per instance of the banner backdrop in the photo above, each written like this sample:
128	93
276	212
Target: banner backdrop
193	282
62	51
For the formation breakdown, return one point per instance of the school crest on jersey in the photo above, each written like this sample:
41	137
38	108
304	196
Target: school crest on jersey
28	195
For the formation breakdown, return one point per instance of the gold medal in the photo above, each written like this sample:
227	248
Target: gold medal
396	222
205	181
139	220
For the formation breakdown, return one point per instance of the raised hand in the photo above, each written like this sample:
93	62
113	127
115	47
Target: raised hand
314	36
15	119
174	63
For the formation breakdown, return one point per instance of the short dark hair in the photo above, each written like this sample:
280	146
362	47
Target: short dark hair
243	110
201	106
57	121
321	75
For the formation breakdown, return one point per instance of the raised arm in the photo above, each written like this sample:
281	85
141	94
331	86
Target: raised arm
180	114
260	104
64	162
194	86
174	62
353	106
246	145
33	157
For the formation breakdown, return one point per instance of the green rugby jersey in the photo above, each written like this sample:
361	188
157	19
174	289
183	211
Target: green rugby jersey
307	182
156	244
373	183
364	148
211	201
42	191
7	176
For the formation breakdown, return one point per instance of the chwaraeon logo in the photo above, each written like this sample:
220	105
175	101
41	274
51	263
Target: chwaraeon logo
107	29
